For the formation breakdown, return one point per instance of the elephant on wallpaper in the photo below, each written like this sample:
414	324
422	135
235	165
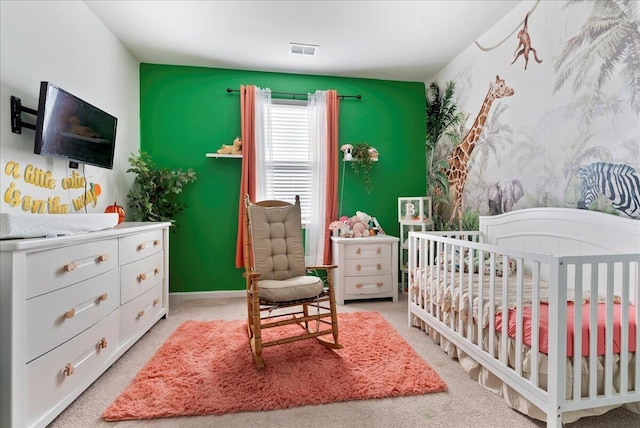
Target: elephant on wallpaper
503	195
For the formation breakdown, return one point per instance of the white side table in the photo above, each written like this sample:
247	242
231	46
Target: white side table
367	267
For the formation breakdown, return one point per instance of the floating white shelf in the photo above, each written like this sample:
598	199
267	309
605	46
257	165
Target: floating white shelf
218	155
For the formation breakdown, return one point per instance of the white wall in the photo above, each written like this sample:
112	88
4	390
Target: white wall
64	43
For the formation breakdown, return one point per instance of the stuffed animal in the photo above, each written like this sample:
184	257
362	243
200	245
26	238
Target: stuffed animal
234	149
359	228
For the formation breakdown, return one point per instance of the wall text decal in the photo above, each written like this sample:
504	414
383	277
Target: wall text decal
38	177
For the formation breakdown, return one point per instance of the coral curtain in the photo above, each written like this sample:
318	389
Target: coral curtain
248	179
331	212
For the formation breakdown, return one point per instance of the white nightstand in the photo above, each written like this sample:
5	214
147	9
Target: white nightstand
367	267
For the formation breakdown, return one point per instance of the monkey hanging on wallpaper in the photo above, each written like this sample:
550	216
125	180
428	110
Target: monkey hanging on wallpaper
525	43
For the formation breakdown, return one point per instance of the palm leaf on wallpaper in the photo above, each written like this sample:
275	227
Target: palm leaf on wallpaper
607	47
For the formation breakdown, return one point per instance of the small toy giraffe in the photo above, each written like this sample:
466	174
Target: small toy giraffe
459	157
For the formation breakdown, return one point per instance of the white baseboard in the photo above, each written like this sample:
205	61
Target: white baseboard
180	296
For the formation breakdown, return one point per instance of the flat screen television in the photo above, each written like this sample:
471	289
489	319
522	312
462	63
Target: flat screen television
70	128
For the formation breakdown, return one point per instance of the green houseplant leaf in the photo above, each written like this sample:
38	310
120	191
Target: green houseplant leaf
152	197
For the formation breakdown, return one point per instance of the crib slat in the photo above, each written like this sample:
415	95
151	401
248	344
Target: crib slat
535	321
608	372
519	309
492	305
593	338
577	333
481	302
504	338
624	331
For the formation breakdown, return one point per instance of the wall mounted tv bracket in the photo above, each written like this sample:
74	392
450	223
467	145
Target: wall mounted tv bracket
16	120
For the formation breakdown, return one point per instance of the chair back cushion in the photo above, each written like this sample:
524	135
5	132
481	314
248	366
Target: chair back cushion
276	234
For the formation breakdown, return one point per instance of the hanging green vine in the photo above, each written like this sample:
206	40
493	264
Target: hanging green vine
362	162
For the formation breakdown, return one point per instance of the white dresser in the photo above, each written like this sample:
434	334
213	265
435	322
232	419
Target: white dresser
367	267
70	306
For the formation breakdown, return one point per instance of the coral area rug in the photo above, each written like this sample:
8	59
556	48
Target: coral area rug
206	368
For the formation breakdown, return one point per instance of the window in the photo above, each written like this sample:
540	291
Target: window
288	154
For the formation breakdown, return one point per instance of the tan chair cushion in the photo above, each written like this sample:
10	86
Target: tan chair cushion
296	288
278	254
276	232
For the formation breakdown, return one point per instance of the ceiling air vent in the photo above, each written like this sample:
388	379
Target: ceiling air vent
303	49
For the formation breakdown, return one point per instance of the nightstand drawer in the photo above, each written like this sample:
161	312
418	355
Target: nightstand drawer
364	251
363	267
368	284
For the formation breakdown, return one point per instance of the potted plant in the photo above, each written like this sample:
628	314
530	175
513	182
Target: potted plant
152	197
362	161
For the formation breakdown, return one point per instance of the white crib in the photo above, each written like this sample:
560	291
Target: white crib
544	267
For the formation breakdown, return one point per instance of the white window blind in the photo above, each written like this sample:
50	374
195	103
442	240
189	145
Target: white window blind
289	155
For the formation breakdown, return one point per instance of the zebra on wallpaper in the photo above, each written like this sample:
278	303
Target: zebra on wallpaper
618	182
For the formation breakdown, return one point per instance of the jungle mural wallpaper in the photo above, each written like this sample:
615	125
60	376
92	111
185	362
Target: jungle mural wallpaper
561	130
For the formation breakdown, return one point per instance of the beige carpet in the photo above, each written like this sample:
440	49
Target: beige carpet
464	404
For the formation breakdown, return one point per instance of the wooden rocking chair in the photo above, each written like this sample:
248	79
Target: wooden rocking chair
280	289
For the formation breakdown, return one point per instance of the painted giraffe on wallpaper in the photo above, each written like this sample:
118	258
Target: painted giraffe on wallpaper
459	157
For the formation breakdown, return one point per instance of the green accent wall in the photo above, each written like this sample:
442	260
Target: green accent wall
186	112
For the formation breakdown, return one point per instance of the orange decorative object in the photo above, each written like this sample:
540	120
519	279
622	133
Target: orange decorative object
115	208
97	189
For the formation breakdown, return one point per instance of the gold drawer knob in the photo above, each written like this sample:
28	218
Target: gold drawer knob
379	266
70	313
142	246
358	267
70	267
380	284
103	297
156	301
68	369
379	250
156	270
156	242
142	277
358	251
103	343
103	257
141	313
359	285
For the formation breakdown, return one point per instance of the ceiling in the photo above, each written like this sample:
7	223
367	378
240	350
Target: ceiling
389	40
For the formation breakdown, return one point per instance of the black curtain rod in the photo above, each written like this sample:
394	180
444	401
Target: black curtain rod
294	94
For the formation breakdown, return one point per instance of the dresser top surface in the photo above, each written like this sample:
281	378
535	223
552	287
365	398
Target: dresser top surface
123	229
365	239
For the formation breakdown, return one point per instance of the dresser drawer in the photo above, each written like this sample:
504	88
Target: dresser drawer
373	250
368	284
53	269
56	317
49	380
138	314
140	276
141	245
367	266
